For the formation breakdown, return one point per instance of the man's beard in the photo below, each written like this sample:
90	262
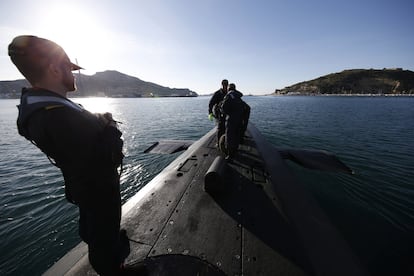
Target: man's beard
69	83
68	79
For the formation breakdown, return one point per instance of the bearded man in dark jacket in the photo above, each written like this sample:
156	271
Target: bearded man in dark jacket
86	147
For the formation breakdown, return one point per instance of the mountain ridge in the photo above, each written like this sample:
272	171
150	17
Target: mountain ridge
109	83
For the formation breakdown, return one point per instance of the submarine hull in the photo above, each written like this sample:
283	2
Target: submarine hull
204	215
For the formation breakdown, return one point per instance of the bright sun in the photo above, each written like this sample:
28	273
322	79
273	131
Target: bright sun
79	35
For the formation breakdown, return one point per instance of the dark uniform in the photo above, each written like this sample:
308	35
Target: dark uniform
233	108
88	152
245	120
214	107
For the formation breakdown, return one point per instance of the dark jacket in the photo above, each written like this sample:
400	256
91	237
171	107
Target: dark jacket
233	104
215	100
87	151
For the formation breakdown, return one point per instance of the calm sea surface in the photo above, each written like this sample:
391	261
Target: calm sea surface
373	209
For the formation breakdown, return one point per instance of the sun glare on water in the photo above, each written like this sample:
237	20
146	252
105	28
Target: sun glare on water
98	105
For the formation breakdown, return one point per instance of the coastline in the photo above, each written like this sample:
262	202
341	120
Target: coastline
290	94
343	95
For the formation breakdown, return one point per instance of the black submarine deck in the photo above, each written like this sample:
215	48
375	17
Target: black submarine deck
175	227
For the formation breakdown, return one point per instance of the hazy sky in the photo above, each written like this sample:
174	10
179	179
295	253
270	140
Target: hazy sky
259	45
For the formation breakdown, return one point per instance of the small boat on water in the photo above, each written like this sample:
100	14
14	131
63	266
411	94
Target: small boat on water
204	215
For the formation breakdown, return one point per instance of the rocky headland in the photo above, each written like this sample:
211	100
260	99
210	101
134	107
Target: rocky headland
373	82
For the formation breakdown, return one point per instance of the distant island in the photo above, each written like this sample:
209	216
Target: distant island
105	84
391	82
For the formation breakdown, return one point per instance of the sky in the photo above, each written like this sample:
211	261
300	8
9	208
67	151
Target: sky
258	45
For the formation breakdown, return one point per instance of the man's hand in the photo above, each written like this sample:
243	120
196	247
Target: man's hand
106	119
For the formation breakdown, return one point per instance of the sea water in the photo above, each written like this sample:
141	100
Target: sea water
373	209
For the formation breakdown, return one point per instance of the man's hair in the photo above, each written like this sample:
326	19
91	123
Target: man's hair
226	82
232	86
32	55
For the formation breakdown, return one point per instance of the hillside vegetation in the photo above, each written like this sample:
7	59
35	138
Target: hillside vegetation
357	81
